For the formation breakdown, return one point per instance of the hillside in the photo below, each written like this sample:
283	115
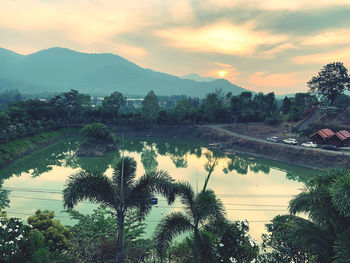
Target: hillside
60	69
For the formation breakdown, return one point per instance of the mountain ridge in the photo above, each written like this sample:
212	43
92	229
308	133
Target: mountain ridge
60	69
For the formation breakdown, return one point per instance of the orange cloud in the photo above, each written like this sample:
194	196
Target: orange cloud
342	55
263	79
219	38
340	36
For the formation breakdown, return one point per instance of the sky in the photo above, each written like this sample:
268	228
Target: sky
264	46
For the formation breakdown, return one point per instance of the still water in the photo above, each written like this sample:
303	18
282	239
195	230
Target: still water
250	188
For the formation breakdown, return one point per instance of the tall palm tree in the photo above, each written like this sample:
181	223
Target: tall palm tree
120	195
326	201
202	210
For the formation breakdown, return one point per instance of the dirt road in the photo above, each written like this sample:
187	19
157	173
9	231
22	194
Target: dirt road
221	128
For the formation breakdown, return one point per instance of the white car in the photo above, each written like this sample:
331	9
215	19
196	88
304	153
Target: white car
290	141
309	145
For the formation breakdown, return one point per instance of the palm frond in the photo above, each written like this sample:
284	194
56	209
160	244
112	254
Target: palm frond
91	186
129	165
342	247
311	236
207	206
141	193
205	246
170	226
187	196
340	192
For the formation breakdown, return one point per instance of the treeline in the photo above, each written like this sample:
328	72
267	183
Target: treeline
25	118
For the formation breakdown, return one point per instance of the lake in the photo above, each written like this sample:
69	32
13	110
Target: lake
254	189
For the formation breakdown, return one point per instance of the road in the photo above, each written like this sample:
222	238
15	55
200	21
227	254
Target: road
221	128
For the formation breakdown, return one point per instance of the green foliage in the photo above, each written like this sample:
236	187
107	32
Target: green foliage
11	150
274	119
326	202
150	107
37	245
56	235
100	188
202	210
281	238
234	243
96	131
331	81
111	105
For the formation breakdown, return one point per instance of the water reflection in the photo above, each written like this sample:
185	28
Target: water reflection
63	154
243	183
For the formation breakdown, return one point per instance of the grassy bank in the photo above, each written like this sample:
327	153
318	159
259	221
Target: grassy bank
12	150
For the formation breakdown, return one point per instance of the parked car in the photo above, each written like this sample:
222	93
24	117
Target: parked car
272	139
290	141
330	147
309	145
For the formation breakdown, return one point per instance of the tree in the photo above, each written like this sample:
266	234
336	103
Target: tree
330	81
326	201
202	209
56	235
286	104
112	104
281	238
96	131
150	107
120	193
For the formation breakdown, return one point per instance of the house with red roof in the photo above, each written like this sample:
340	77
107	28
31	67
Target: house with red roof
341	138
327	136
322	136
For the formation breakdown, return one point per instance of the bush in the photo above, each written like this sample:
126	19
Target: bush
275	119
96	131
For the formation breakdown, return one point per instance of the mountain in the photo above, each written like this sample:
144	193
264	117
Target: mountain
61	69
196	77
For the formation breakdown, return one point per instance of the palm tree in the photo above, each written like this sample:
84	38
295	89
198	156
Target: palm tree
202	210
120	195
326	201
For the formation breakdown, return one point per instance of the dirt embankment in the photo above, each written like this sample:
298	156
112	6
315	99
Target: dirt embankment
278	152
316	159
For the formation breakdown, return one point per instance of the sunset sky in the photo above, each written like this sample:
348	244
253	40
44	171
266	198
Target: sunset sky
270	45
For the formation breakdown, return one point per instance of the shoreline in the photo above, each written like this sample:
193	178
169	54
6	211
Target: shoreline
307	158
14	150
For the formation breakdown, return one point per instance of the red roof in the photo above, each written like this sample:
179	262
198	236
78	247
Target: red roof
343	135
326	133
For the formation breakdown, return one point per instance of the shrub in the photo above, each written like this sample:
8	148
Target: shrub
96	131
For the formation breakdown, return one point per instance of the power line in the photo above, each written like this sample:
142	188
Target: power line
237	209
146	220
51	191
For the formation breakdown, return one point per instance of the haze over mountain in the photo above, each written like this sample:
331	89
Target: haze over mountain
61	69
197	77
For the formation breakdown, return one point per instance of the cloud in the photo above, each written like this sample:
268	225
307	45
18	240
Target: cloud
274	4
219	38
337	36
263	79
223	65
342	55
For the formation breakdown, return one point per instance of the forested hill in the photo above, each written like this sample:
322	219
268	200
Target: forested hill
60	69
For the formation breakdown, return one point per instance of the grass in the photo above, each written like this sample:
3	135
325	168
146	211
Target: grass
13	149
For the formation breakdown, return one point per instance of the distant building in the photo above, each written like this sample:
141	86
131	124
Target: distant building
343	138
327	136
322	136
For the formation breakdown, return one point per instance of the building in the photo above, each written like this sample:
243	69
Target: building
327	136
343	138
322	136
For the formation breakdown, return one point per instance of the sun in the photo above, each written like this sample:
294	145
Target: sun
222	73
